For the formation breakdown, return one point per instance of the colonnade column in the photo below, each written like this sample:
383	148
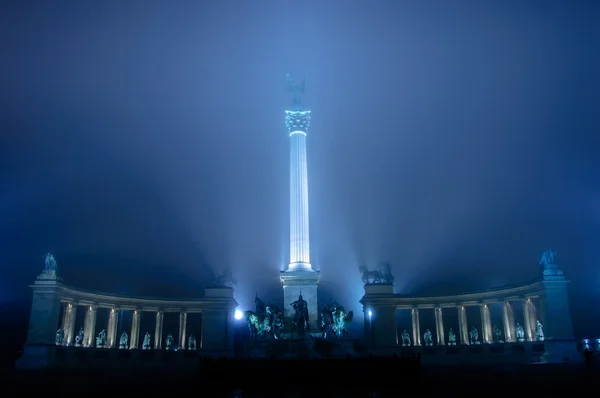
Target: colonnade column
527	321
135	330
439	326
486	323
111	334
160	316
89	326
416	328
68	325
508	317
462	325
532	317
182	329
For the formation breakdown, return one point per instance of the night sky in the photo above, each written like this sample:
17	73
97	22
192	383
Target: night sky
143	143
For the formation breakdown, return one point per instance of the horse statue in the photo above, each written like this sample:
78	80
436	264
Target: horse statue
386	274
226	279
369	276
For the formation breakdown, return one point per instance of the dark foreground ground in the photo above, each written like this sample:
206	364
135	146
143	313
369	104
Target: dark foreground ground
341	378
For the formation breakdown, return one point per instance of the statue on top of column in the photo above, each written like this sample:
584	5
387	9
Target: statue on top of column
405	339
451	337
519	333
60	336
146	343
548	261
123	340
539	331
79	338
428	338
297	89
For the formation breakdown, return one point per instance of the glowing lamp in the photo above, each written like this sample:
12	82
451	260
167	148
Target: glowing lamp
238	315
370	313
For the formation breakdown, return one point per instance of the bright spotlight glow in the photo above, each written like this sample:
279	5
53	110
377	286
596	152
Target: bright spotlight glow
370	313
238	314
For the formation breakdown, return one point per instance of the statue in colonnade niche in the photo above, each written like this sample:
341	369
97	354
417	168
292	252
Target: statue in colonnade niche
474	336
146	343
428	338
451	337
520	333
405	339
497	334
123	340
60	336
539	331
169	342
192	342
79	338
101	339
548	261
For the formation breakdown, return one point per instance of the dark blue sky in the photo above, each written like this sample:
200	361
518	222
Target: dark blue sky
143	143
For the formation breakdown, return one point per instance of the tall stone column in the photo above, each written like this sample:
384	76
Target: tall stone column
439	326
69	312
508	318
182	329
135	330
486	323
160	316
89	325
527	321
416	327
111	333
462	325
532	316
299	278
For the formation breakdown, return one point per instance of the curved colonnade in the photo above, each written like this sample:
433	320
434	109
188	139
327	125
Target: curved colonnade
543	300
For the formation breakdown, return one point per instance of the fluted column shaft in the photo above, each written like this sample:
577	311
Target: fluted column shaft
68	325
158	330
486	323
462	325
532	317
89	326
416	327
111	334
527	321
299	232
135	330
509	321
439	326
182	329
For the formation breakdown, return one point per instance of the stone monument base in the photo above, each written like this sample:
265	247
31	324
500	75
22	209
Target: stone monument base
296	282
299	348
561	351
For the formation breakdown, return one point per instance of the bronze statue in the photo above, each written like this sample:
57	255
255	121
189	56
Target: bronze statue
301	320
297	90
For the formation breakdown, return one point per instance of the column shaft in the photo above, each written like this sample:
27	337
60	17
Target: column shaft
299	233
111	333
182	329
135	330
416	327
462	325
89	325
158	330
68	324
486	323
439	326
532	318
527	321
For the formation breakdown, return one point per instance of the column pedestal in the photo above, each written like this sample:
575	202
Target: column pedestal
296	282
